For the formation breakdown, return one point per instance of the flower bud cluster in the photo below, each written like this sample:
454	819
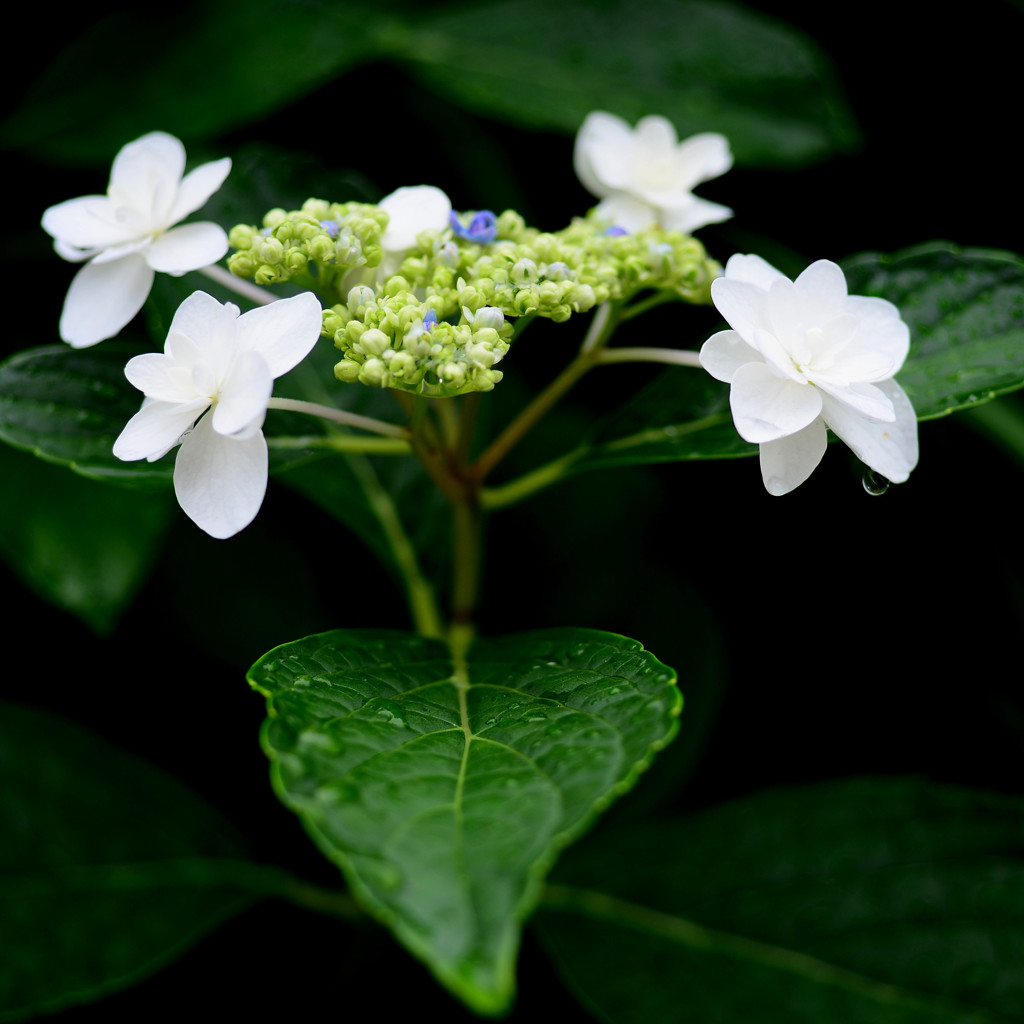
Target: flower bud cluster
434	319
392	339
650	259
316	244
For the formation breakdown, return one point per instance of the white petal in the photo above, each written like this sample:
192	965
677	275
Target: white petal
283	332
789	461
155	428
696	213
881	329
220	481
753	270
242	402
888	448
188	247
73	255
744	305
116	252
210	326
864	399
701	158
822	287
89	222
654	138
103	298
413	209
602	155
161	377
766	407
146	175
197	186
627	212
776	356
724	353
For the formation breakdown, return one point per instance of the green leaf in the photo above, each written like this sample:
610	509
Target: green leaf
108	867
78	544
705	66
203	71
68	406
865	901
444	789
965	308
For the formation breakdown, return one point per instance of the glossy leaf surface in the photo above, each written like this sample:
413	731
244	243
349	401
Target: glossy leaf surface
444	789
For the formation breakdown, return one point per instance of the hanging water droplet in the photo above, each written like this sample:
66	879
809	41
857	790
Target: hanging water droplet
875	483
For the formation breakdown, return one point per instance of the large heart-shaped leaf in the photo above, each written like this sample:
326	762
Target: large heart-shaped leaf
705	66
444	787
864	901
108	867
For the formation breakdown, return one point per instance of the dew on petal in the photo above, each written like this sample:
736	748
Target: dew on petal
874	483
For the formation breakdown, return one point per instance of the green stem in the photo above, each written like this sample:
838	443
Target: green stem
246	289
658	299
467	532
346	443
348	419
419	593
673	356
528	484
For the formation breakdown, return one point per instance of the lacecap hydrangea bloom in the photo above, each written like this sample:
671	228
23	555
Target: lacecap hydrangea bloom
216	360
129	233
644	175
803	356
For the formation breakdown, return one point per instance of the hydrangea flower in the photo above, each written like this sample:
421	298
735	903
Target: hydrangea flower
129	233
803	356
216	360
644	175
411	210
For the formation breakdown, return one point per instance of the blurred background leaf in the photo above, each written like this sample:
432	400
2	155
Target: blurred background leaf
108	867
862	901
83	546
706	66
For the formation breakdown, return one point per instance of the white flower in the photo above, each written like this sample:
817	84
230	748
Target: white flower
644	175
215	359
411	210
128	234
802	356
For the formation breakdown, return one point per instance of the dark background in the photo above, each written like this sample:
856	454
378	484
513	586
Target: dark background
835	633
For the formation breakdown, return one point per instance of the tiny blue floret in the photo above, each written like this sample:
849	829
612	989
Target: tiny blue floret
429	320
616	230
482	228
330	226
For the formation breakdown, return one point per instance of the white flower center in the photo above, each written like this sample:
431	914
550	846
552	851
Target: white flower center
654	173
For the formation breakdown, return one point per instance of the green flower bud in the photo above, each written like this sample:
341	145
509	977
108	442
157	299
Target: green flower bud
270	250
347	371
